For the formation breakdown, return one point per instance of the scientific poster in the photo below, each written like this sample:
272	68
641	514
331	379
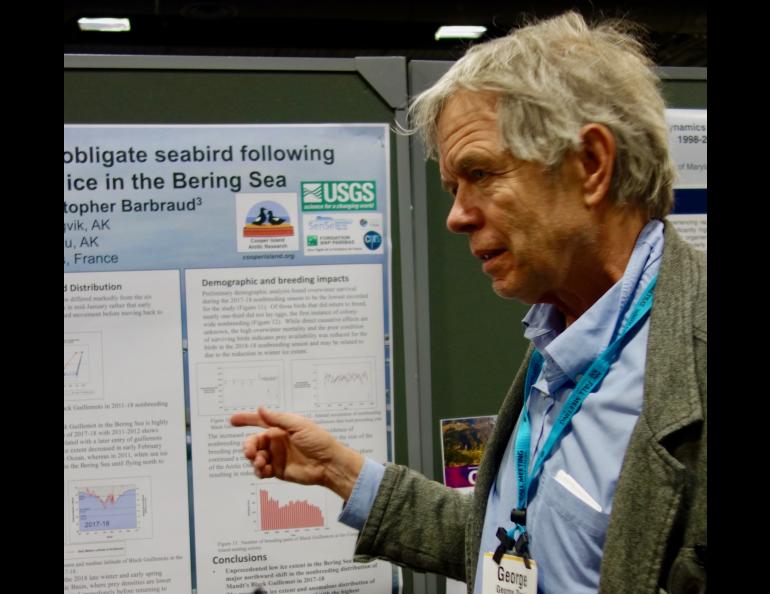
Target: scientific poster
688	141
207	270
462	446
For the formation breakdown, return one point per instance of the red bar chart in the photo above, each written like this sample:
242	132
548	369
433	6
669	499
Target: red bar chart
292	515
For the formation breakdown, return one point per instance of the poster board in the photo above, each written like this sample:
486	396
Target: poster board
225	258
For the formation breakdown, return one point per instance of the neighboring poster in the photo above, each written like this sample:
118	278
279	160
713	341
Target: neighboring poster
208	270
688	141
462	445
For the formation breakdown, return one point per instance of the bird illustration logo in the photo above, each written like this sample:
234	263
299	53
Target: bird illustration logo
262	218
268	219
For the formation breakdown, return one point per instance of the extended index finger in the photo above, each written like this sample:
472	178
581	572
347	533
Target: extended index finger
248	419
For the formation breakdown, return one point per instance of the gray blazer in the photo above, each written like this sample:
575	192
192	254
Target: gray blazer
656	539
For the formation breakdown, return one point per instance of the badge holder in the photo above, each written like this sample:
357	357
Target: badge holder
515	572
519	546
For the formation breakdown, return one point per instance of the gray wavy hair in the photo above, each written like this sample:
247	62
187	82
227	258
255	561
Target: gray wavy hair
553	77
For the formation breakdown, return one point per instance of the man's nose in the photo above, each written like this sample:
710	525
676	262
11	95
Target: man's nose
463	217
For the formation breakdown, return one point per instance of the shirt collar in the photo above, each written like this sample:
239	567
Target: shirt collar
568	352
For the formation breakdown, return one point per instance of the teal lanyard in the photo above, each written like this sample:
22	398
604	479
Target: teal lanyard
587	384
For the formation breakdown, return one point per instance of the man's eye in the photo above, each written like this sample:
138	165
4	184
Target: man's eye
478	174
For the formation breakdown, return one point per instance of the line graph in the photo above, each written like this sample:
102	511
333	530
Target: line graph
106	509
352	383
227	387
75	363
83	366
334	383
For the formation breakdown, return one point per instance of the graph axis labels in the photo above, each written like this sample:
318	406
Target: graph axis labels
226	387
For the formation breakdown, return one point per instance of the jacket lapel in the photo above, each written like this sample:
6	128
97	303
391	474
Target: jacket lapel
651	481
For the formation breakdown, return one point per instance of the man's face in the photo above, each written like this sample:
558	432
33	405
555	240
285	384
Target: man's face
525	228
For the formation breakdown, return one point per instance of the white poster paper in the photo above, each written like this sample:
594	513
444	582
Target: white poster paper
125	489
306	339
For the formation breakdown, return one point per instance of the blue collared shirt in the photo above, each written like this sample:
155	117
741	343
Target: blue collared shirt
567	524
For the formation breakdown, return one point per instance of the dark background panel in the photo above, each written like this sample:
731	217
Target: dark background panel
685	94
222	97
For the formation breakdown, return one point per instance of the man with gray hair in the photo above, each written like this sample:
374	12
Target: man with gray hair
552	142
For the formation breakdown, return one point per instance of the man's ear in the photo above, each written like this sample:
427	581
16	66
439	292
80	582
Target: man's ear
597	160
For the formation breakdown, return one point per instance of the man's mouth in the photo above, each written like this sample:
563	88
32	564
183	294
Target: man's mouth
487	255
488	259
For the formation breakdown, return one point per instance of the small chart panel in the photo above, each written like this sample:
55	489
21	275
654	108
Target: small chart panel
230	387
280	507
109	509
322	384
83	366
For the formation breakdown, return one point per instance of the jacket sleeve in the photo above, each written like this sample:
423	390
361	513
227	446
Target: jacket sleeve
417	523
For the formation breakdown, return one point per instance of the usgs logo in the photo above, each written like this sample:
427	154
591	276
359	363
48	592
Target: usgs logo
339	195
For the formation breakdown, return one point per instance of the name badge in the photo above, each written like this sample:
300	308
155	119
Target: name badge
510	577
